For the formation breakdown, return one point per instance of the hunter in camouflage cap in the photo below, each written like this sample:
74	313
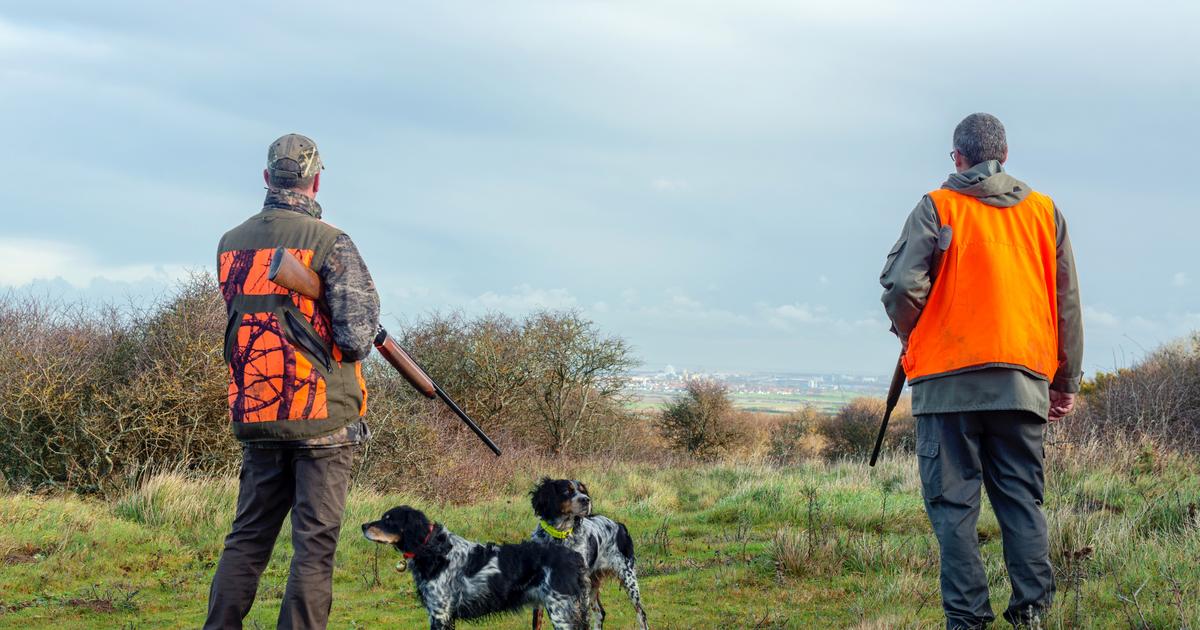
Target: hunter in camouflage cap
292	159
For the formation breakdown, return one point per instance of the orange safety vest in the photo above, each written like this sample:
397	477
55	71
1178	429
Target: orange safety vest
287	379
994	301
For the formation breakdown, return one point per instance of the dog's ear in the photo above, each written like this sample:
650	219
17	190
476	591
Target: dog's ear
584	489
413	526
544	500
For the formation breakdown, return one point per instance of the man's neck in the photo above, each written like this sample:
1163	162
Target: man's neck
294	200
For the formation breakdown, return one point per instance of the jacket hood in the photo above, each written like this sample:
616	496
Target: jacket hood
988	182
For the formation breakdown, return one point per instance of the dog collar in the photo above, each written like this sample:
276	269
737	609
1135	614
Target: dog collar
409	555
556	533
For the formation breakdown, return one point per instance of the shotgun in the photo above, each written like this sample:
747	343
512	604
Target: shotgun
893	398
289	273
945	237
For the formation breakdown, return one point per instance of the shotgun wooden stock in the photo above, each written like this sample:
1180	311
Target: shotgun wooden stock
289	273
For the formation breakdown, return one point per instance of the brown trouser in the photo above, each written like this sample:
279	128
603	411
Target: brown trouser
312	484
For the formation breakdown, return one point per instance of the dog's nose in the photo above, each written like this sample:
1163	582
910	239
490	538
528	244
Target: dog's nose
365	525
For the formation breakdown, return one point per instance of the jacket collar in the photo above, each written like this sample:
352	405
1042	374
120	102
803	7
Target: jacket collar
279	199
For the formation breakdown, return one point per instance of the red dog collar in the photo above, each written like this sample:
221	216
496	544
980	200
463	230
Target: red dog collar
409	555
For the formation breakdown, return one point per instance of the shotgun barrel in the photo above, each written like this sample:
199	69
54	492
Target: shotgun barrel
893	398
288	272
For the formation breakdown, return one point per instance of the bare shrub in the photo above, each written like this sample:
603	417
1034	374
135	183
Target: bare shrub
1158	399
552	378
795	439
752	431
97	394
429	453
403	445
851	432
698	421
902	429
580	377
419	446
178	390
499	371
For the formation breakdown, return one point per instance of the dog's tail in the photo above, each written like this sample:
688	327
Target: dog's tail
624	543
628	575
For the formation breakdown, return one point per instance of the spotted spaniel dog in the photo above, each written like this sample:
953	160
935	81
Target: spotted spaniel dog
565	509
460	579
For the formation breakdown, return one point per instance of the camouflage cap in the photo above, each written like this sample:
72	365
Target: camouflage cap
293	157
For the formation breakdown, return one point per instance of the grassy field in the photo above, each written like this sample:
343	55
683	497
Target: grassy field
719	546
826	401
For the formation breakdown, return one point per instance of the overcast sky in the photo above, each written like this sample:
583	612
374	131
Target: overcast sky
716	182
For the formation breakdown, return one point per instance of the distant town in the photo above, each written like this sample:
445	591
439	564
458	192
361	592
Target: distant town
759	391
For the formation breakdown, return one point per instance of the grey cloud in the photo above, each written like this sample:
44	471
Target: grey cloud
745	154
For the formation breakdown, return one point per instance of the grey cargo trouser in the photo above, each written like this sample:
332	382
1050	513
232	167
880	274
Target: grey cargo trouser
1003	449
310	483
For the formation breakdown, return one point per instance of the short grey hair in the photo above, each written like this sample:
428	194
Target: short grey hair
980	137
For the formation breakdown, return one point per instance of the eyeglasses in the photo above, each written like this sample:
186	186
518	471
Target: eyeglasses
952	154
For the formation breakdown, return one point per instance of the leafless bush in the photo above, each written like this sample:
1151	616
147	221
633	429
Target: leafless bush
851	432
99	395
700	421
580	376
1158	398
94	395
795	439
552	378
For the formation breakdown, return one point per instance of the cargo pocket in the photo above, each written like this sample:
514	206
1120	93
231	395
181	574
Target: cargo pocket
931	469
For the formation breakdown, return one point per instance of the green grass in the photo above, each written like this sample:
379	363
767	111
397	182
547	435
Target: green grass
721	546
825	401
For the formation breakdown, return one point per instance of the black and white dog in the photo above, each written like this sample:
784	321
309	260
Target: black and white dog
460	579
565	509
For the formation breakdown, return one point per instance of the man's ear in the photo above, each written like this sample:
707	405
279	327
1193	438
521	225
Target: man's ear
960	161
316	182
266	177
1005	158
